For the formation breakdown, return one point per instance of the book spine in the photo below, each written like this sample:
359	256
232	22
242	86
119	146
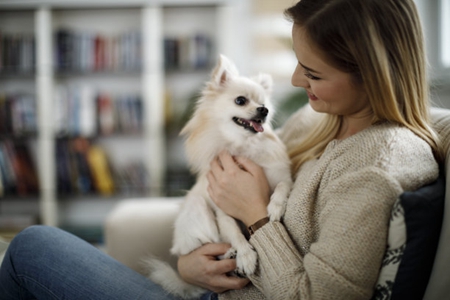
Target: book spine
18	172
188	53
17	53
87	110
83	51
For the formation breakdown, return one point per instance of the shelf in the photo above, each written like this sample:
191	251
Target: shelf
208	23
27	4
17	76
97	74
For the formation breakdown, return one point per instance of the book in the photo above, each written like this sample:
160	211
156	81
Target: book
100	170
26	175
188	52
17	114
105	114
88	51
63	168
18	171
79	147
82	111
64	50
8	175
87	112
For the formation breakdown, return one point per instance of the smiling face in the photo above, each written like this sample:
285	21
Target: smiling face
329	89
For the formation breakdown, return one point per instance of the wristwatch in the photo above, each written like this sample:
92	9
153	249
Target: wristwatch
258	225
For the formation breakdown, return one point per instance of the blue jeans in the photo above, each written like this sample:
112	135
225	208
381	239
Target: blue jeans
48	263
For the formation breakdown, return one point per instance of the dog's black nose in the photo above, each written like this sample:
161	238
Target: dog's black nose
263	111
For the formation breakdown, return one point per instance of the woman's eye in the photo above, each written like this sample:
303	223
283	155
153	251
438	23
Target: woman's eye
312	77
241	100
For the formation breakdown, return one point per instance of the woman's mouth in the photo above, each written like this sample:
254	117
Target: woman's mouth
311	96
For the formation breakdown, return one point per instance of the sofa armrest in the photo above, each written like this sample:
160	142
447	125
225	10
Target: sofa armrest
138	227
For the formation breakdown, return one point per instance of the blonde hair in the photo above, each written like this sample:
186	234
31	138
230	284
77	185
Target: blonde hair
379	42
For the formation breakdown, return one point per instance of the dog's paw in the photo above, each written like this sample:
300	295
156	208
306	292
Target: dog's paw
231	254
246	261
277	204
276	210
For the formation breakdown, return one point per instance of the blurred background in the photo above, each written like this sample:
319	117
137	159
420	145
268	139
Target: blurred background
93	95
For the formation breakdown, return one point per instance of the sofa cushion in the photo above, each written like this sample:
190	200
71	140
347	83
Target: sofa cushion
414	232
424	210
394	252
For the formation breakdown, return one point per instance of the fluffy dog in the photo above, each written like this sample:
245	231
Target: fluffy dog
233	114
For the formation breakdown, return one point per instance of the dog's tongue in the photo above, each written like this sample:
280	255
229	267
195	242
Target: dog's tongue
257	126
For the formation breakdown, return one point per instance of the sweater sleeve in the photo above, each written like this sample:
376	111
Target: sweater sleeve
344	261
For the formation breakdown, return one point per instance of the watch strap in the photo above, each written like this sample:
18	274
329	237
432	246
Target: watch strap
258	224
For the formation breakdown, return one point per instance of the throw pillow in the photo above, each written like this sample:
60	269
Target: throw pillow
413	237
424	210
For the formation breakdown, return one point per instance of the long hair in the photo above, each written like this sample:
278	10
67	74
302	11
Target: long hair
380	43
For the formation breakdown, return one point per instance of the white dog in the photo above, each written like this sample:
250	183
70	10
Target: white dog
233	114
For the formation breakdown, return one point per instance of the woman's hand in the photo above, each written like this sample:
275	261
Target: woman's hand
201	268
239	187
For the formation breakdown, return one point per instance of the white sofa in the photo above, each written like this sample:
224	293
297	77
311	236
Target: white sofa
139	226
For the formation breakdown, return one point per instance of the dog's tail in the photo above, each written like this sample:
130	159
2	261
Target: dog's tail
160	272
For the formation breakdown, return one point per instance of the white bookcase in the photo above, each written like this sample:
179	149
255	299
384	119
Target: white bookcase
225	20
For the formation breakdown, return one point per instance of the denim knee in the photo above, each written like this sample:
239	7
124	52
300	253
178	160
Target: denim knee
32	237
36	230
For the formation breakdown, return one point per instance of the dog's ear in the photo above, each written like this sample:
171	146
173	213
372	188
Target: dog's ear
224	70
265	80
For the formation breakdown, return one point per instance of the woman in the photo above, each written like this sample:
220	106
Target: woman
363	140
362	65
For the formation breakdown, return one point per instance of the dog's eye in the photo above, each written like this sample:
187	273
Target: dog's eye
241	100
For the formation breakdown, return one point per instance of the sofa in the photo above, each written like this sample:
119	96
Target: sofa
137	227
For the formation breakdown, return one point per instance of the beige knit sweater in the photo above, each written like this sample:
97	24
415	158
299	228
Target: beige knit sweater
332	238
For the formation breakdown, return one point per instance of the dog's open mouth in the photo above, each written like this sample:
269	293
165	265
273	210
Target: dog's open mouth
253	125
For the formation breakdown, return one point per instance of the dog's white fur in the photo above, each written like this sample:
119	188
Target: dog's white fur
210	131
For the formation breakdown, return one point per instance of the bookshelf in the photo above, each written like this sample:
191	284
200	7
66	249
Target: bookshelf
147	75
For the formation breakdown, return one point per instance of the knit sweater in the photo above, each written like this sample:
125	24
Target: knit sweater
331	241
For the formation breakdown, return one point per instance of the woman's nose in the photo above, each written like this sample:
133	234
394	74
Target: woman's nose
298	78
